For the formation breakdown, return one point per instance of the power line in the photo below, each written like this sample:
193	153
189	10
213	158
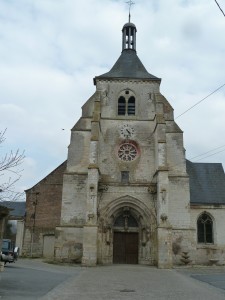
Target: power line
209	152
186	158
200	101
220	8
212	154
199	156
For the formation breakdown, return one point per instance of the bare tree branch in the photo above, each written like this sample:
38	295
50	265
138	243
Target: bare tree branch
11	160
2	136
9	164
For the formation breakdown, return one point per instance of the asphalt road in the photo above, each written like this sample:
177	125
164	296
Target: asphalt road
32	279
214	276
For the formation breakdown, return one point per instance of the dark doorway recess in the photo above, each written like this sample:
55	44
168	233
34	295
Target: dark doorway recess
125	248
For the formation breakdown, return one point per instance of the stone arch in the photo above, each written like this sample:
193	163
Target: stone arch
207	213
139	210
146	229
126	102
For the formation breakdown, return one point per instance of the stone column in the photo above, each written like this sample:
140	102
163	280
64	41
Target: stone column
19	234
90	230
164	233
164	229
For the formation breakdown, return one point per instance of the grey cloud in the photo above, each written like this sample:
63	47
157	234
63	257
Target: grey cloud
51	50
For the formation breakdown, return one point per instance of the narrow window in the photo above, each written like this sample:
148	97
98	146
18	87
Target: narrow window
131	106
205	229
125	177
121	106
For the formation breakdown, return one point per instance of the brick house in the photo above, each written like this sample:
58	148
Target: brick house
43	210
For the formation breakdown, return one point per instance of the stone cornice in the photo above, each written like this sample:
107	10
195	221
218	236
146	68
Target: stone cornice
122	80
207	206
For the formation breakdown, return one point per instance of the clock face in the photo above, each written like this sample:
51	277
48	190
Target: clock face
127	131
127	152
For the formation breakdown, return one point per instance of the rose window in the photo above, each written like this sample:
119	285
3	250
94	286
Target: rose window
127	152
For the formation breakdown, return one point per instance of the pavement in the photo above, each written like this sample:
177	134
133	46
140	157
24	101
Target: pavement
33	278
141	283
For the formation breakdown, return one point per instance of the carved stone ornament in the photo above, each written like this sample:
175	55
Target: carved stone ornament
152	189
163	217
103	188
92	187
90	216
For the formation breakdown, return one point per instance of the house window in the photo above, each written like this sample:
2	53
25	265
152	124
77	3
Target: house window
205	229
126	104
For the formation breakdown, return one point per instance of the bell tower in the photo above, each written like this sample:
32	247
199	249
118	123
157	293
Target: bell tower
129	37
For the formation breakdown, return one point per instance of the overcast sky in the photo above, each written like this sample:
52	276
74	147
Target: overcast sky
50	51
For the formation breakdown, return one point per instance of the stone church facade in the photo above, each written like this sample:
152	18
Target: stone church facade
128	193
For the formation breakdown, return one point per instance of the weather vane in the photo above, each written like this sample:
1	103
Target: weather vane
130	3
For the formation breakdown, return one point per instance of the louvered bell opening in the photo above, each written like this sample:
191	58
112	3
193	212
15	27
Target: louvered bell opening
121	106
131	106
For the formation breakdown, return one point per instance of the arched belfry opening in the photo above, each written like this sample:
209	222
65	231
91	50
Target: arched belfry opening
126	103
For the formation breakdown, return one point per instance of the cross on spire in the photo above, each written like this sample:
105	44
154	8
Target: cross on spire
130	3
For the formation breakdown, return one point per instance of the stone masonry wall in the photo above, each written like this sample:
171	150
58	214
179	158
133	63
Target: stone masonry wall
205	252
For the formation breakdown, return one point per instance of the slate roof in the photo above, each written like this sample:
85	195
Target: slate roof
17	209
128	65
207	183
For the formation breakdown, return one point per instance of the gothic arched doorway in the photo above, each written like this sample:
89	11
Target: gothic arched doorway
125	239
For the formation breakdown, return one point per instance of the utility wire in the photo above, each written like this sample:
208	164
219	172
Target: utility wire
199	156
212	154
201	101
209	152
204	154
220	8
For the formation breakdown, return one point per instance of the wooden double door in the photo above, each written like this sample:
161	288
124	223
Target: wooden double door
125	248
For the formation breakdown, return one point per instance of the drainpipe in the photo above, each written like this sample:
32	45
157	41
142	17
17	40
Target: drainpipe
33	229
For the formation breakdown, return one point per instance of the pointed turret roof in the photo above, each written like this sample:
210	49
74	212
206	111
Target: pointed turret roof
128	64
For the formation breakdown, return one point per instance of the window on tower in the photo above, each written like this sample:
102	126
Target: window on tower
126	104
131	106
121	106
125	177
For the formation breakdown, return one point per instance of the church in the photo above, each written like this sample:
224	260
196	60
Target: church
127	194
